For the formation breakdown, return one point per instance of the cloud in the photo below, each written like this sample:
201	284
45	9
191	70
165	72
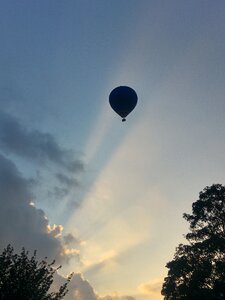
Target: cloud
21	223
35	145
80	289
55	230
152	288
70	239
66	179
83	289
56	168
107	261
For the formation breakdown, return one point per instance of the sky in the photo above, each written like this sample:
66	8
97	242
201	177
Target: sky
102	197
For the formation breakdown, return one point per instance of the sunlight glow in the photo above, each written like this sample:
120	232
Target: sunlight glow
120	209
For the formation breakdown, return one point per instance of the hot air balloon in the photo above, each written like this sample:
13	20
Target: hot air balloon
123	100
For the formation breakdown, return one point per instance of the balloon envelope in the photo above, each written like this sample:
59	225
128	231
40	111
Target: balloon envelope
123	100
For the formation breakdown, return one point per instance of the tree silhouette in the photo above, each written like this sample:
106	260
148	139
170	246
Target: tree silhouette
24	278
197	270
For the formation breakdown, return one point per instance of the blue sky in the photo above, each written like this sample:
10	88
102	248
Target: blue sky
106	198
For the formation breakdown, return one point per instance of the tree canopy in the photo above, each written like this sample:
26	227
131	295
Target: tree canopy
197	270
24	278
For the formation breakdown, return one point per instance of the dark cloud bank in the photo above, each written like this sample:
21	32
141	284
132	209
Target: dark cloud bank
40	149
34	145
22	224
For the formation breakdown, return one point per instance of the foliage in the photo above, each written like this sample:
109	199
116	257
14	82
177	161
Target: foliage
24	278
197	270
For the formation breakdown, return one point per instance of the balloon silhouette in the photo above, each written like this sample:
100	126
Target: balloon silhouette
123	100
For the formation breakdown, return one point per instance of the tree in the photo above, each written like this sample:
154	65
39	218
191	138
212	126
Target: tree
197	270
24	278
